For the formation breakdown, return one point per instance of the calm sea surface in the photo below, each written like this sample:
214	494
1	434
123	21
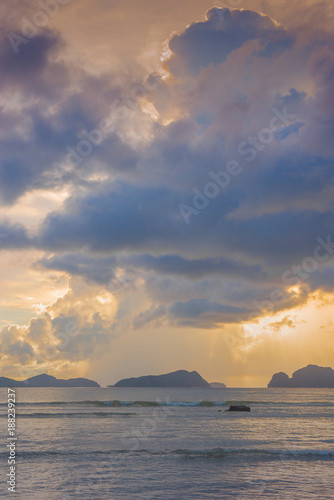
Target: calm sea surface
154	444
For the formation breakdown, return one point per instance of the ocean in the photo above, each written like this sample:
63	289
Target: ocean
152	444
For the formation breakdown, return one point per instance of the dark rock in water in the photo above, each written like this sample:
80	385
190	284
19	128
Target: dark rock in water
239	408
180	378
310	376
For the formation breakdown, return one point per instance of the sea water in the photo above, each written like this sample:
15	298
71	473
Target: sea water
152	444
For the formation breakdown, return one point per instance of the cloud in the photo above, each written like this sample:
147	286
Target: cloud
50	105
225	30
21	351
276	326
12	347
39	329
13	236
115	219
227	79
97	270
203	314
30	61
73	328
195	268
139	219
102	269
34	70
249	231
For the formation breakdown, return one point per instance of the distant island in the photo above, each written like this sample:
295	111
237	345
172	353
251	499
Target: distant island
47	381
309	376
180	378
217	385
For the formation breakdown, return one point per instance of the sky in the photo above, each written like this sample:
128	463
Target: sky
166	188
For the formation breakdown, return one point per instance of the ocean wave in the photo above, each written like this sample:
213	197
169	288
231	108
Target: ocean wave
164	403
203	403
71	415
282	403
246	454
116	403
221	452
213	453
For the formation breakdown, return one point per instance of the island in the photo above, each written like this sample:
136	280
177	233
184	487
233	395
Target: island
45	380
180	378
217	385
312	376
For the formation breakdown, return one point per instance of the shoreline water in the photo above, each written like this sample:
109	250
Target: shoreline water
173	443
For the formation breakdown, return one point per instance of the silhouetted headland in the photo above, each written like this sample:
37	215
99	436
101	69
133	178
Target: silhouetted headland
312	376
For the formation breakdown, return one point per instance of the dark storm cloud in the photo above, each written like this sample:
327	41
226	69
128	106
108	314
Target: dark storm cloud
201	312
140	219
34	69
212	41
196	307
323	279
42	161
57	105
28	62
265	220
98	270
128	217
31	73
257	228
195	268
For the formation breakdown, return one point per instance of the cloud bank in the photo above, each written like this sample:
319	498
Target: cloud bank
235	128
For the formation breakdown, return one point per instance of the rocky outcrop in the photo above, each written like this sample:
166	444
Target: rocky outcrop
280	379
312	376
